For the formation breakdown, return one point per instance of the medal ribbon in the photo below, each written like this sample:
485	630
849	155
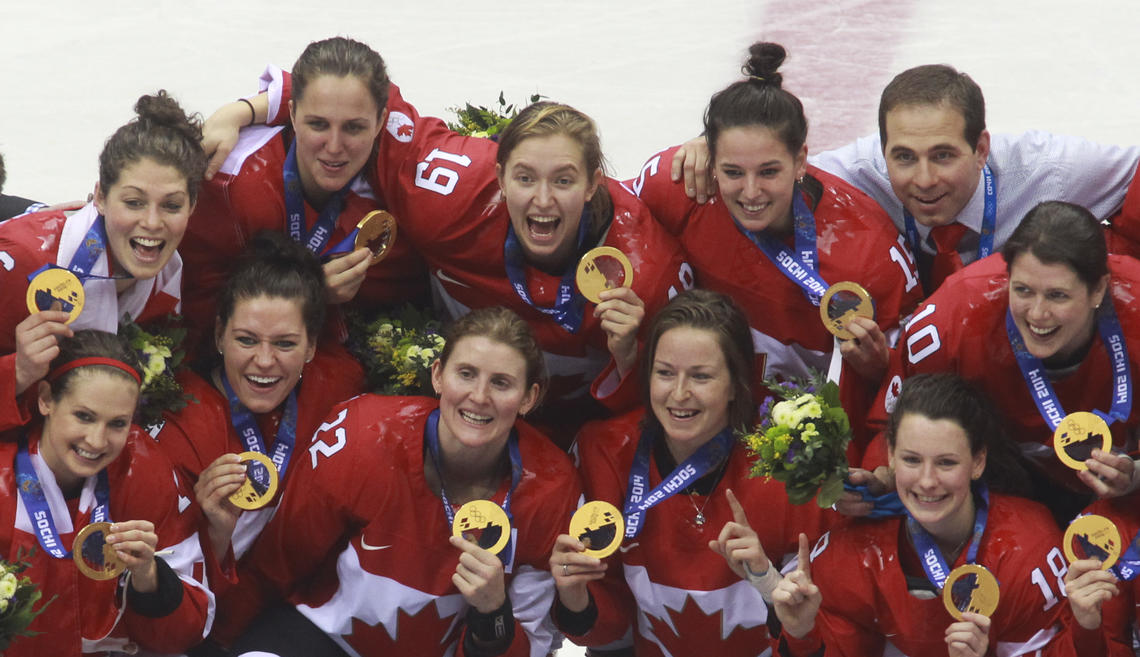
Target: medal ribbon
322	230
1042	391
32	493
989	220
933	563
637	502
567	310
799	270
245	424
93	246
1127	567
431	438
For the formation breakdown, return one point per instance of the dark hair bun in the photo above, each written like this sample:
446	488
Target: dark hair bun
161	110
764	60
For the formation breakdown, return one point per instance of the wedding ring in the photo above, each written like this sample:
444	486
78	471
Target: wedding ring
565	570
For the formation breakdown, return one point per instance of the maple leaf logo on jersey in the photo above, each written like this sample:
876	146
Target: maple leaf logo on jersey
698	633
418	634
401	127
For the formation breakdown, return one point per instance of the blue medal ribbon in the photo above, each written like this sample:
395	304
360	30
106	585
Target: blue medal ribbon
1033	371
637	501
93	246
431	439
1127	567
32	493
800	270
989	220
245	424
933	562
567	310
322	230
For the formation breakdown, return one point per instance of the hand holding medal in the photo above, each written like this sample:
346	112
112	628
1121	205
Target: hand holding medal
260	484
596	531
481	529
1077	435
842	303
606	269
1093	547
603	268
103	550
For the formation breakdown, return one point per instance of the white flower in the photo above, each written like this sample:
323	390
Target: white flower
8	584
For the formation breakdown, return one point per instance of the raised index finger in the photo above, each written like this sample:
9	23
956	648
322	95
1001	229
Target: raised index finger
804	564
738	514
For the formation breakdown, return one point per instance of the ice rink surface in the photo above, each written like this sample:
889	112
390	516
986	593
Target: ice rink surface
72	69
644	70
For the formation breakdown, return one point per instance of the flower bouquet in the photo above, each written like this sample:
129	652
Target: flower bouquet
802	440
18	597
482	121
161	354
397	351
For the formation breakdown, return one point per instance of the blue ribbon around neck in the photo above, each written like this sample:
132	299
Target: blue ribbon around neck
39	512
1033	371
700	463
933	562
568	306
801	269
245	424
431	438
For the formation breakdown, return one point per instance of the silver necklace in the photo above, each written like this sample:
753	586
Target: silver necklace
700	519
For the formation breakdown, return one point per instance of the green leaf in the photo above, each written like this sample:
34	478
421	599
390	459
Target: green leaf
830	492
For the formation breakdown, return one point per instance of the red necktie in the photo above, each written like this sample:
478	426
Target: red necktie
947	260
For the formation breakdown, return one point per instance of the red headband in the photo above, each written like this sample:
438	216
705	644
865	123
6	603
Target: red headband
93	360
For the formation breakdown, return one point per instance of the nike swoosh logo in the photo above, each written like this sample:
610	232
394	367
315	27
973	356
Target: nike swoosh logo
447	279
372	547
627	548
183	502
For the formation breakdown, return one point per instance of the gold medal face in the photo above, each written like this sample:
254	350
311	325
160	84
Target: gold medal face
843	302
260	482
599	526
483	522
56	289
970	588
603	268
94	557
1093	537
377	233
1076	437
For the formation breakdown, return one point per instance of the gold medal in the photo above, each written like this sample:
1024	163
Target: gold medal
1078	435
56	289
603	268
843	302
377	233
260	482
94	557
483	522
599	526
970	588
1097	538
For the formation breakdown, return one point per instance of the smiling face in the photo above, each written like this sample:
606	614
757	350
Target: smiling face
87	427
336	123
933	169
482	391
690	388
264	349
145	213
933	472
1054	310
546	185
756	176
